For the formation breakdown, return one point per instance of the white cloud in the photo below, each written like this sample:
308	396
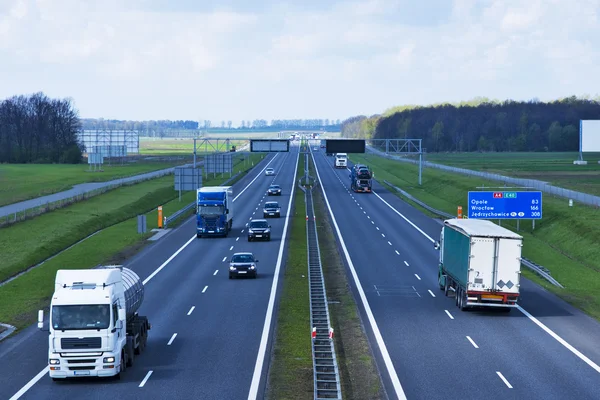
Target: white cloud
128	60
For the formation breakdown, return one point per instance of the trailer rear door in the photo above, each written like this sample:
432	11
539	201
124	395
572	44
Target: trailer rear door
481	264
509	265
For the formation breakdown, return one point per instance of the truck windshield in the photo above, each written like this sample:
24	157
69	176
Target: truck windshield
211	210
96	316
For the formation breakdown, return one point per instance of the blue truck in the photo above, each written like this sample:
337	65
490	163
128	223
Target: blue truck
214	211
361	179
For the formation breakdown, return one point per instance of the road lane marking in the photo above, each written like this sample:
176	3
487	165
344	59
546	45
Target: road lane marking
145	379
231	248
390	243
431	293
399	391
406	263
172	338
215	272
397	252
504	379
224	258
418	277
191	310
472	342
204	290
450	315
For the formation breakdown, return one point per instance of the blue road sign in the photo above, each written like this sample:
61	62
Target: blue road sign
505	205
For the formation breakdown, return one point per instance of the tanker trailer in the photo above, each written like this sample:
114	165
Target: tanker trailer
94	327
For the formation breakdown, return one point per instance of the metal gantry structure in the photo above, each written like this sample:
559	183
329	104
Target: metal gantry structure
325	367
401	146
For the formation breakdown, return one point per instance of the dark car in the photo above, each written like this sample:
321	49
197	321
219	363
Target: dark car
242	264
274	190
259	229
271	209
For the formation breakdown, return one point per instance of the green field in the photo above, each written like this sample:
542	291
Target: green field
186	146
19	182
564	241
23	296
554	168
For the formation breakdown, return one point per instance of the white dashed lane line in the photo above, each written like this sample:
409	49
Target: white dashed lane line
407	265
204	290
390	243
397	252
431	293
172	338
450	315
191	310
215	272
504	379
382	235
236	239
418	277
145	379
231	248
472	342
224	258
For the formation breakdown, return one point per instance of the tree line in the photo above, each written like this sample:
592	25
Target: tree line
482	125
37	129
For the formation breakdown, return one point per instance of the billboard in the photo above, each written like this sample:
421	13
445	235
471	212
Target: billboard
345	146
269	145
589	136
188	178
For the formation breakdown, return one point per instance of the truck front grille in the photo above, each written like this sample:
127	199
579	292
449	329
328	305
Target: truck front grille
84	343
79	361
88	368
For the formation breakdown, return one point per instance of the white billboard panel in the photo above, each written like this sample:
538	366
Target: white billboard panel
589	140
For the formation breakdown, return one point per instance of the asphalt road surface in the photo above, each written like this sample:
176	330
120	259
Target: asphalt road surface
426	347
210	335
76	190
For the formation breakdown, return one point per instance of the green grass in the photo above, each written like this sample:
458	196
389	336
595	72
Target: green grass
554	168
19	182
290	372
186	146
29	242
359	377
22	297
564	241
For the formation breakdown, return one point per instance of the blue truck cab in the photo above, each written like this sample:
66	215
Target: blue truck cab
214	211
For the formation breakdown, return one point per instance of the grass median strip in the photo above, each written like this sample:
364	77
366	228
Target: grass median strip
564	241
22	297
359	375
19	182
290	370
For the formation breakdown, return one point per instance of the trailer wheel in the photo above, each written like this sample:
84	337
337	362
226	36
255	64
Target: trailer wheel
446	287
457	297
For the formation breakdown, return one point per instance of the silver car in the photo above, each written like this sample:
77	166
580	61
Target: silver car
269	171
242	264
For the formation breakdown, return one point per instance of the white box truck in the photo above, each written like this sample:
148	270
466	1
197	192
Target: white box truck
94	327
480	262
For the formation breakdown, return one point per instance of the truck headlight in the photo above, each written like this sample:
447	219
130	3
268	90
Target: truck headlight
109	359
54	361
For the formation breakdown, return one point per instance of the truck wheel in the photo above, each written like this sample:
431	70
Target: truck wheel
129	347
198	236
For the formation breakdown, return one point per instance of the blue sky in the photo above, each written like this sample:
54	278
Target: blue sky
240	59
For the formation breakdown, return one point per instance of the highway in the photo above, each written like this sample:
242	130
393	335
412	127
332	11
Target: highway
210	335
426	347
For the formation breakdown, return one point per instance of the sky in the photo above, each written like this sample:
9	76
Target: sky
265	59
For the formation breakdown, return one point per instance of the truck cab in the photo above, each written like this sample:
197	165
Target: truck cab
214	211
340	160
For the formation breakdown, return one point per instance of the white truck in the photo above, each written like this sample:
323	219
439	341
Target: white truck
480	262
94	327
340	160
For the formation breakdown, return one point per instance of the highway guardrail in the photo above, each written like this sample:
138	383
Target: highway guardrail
536	268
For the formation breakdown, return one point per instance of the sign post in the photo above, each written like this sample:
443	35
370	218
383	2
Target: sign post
505	205
160	217
459	212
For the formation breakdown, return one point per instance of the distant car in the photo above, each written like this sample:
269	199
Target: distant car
272	209
269	171
259	229
315	148
242	264
322	146
274	190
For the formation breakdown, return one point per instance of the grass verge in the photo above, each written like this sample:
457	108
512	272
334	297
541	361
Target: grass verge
19	182
359	375
290	371
22	297
564	241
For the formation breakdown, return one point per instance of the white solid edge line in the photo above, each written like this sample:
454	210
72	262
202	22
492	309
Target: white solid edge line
145	379
39	376
527	314
380	342
504	379
472	342
262	349
172	338
29	384
560	340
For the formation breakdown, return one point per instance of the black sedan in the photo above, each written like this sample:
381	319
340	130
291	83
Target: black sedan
274	190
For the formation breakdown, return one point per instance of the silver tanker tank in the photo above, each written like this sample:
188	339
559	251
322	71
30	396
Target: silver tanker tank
133	287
